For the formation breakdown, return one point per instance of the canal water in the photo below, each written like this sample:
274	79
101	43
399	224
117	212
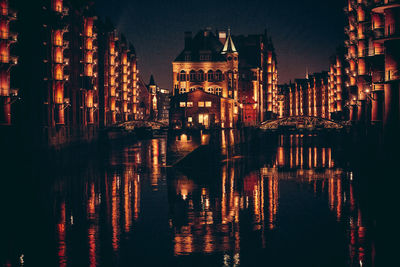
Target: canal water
290	200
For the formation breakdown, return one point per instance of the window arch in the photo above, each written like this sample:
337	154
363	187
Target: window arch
182	76
200	76
192	76
210	76
58	72
218	76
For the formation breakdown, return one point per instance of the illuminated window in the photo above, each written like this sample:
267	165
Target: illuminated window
190	119
57	5
189	104
210	90
89	28
182	104
201	104
208	104
58	55
58	38
218	91
201	118
182	76
89	57
4	8
89	44
58	72
4	52
89	70
182	90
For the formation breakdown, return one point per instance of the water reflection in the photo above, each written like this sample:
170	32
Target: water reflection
213	216
129	209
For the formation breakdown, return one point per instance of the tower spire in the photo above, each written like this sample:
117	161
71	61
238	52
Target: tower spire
229	46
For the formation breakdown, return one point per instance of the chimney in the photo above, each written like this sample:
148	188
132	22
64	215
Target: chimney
188	39
222	36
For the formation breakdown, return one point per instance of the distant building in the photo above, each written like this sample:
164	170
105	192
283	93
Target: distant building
258	78
160	99
307	97
143	101
338	92
237	75
163	104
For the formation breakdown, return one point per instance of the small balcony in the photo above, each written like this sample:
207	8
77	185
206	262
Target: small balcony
381	5
65	44
8	13
392	75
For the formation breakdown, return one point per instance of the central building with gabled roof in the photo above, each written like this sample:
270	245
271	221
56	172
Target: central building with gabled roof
210	64
234	74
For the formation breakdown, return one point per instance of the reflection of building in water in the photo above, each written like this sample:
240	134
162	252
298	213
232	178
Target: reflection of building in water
338	187
294	152
211	223
93	202
62	246
207	219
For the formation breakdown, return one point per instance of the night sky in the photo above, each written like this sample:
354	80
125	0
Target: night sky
305	32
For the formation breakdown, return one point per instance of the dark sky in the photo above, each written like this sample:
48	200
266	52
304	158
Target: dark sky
305	32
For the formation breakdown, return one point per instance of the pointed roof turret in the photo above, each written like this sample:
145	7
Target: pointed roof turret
229	46
152	82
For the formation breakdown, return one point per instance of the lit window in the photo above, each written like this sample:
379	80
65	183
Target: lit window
201	104
208	104
182	104
210	90
218	91
201	118
190	119
189	104
89	44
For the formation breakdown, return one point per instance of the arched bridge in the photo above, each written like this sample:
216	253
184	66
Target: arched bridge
132	125
301	123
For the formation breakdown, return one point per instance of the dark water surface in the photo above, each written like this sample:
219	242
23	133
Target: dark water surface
292	202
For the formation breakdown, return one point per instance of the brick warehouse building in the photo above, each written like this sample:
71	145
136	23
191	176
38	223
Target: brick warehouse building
373	41
76	73
235	86
308	97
